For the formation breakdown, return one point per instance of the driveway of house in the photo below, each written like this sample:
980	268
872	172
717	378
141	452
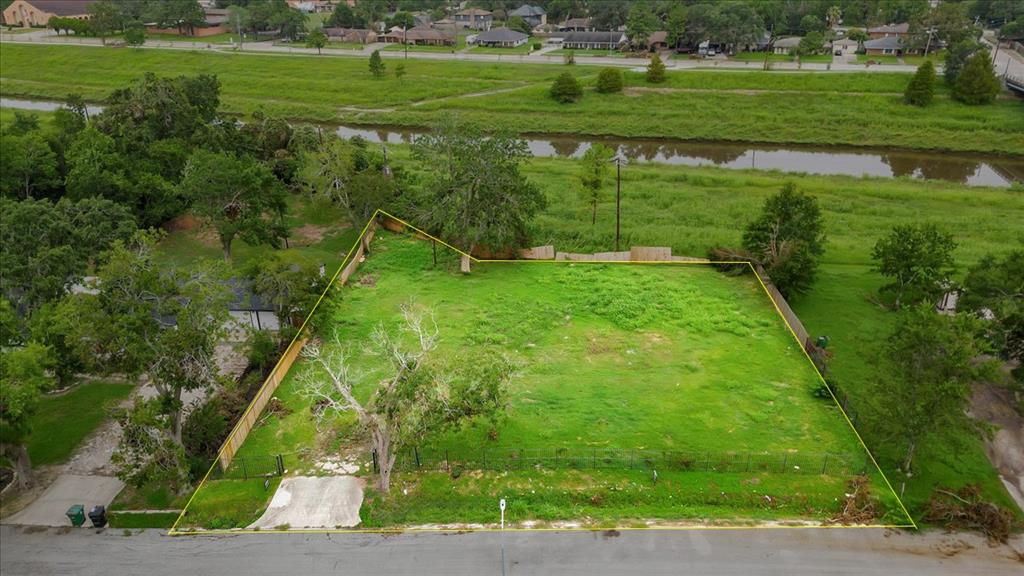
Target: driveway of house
314	502
69	489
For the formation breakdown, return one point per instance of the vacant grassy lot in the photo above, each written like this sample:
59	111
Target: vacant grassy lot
655	358
62	421
768	107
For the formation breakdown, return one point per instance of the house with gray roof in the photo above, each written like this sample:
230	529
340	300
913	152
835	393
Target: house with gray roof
884	46
533	15
598	40
501	38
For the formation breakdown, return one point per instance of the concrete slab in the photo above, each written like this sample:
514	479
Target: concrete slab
69	489
314	502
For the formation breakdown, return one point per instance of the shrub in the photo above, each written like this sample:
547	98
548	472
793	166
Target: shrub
656	70
537	46
609	81
566	89
261	350
569	58
377	67
135	36
204	430
977	83
921	89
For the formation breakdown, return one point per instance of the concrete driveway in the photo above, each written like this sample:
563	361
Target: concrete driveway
69	489
314	502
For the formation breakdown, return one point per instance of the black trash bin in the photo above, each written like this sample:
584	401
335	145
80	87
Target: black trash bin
98	515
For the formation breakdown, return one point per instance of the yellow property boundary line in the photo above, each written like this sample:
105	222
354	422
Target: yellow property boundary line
193	532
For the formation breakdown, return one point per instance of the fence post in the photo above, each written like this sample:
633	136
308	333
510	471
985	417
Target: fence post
416	452
245	473
824	465
707	461
632	458
556	458
785	460
447	463
594	461
280	465
376	468
483	466
748	461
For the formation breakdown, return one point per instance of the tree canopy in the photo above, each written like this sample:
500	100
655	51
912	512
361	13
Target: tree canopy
918	260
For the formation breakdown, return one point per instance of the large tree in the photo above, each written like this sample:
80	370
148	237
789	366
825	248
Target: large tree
105	18
977	82
476	195
238	196
419	395
918	260
788	239
28	166
23	376
48	247
932	361
994	289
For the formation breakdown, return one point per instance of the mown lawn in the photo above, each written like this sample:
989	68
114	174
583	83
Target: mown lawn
307	87
646	358
62	421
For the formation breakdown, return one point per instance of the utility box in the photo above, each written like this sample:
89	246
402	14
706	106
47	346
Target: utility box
98	515
77	515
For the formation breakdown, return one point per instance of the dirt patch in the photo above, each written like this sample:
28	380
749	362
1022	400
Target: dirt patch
952	548
369	280
307	235
184	222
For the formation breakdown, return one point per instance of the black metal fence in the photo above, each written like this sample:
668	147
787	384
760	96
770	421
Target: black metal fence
497	459
251	467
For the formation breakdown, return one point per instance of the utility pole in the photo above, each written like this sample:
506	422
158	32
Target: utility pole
768	48
928	44
238	24
619	160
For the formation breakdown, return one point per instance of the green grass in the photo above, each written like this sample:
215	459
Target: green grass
816	59
518	50
225	38
62	421
819	113
712	367
223	504
144	520
759	57
937	57
877	59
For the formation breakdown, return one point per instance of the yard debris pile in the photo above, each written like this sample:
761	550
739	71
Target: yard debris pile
965	510
859	507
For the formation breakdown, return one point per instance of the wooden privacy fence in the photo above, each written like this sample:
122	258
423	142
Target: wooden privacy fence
787	313
280	371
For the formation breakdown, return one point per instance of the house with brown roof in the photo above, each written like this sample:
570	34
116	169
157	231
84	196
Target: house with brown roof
419	36
38	12
475	18
896	30
658	41
577	25
351	35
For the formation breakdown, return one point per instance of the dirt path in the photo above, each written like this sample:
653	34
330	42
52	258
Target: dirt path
1005	449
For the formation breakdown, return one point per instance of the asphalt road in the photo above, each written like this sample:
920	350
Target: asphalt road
43	552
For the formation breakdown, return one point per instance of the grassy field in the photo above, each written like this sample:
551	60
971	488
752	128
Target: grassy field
62	421
646	358
810	108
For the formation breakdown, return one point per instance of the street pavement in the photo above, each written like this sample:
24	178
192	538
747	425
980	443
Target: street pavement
791	552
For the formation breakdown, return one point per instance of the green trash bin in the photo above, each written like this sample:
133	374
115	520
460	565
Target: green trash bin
77	515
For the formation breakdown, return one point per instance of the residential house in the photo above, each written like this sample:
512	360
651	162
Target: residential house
894	30
598	40
419	36
501	38
351	35
248	310
215	22
38	12
421	19
533	15
658	41
884	46
845	46
577	25
312	6
786	45
474	18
